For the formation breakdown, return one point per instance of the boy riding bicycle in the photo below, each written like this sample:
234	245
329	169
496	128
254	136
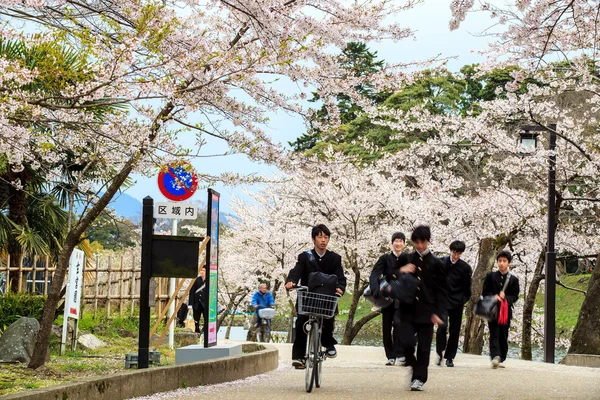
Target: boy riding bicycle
319	259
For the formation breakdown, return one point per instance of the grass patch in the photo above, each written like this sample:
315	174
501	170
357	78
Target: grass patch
568	303
363	308
116	331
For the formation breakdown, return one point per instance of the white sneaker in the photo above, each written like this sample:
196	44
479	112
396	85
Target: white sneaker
401	361
495	362
416	386
391	361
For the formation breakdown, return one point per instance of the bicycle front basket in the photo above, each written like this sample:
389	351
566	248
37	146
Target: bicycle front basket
266	313
310	303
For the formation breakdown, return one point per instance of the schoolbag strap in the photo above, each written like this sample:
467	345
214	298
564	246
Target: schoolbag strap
313	260
506	283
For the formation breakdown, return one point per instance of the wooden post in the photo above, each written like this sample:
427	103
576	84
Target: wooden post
33	271
20	274
46	272
96	286
121	286
132	286
108	287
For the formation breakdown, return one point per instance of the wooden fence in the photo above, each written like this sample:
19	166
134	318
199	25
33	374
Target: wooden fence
110	282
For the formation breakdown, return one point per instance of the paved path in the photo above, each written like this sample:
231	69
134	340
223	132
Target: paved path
358	373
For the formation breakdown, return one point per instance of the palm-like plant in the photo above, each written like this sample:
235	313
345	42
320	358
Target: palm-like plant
33	219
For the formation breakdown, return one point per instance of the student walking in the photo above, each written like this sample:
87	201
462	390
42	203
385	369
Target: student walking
388	267
505	287
428	308
459	275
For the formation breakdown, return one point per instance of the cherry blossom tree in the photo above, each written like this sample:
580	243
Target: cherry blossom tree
204	67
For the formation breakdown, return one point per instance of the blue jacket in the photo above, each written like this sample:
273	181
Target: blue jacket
263	300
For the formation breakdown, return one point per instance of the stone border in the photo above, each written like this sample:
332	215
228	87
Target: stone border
159	379
582	360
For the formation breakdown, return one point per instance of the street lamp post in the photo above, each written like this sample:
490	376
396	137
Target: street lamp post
550	293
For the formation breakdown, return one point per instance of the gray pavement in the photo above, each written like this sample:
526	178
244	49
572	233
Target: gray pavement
359	373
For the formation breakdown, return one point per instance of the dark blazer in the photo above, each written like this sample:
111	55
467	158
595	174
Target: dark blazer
331	264
431	296
196	299
388	266
493	284
459	282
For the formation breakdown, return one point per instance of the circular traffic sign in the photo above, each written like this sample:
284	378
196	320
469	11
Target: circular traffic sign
178	181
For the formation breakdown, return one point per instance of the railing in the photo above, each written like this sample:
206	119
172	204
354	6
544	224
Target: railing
110	282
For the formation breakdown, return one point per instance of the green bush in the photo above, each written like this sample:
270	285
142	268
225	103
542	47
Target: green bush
16	305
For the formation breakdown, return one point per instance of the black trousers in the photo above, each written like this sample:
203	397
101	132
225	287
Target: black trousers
498	340
391	333
451	324
421	335
327	339
198	315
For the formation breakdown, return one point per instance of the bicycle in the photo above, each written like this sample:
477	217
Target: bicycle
263	331
318	307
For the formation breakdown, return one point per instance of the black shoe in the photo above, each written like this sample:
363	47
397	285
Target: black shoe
439	361
449	363
331	352
298	364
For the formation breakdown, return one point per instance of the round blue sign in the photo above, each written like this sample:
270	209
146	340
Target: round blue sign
178	182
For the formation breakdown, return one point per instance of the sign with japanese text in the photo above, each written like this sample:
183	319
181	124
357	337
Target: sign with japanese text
75	284
175	210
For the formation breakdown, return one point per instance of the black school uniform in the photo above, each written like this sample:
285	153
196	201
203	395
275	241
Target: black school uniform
415	319
459	292
492	285
388	265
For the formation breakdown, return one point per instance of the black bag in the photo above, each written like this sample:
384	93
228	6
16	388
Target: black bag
318	282
403	289
487	308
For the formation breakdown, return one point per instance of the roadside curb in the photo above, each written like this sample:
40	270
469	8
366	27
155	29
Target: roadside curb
149	381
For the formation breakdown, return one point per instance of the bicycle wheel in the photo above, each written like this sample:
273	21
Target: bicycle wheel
319	357
267	331
309	377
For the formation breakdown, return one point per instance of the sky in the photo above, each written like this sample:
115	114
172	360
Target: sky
433	37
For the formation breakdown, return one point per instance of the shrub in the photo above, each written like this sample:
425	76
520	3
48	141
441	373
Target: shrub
16	305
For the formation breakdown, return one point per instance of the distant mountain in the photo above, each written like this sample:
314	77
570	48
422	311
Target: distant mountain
127	206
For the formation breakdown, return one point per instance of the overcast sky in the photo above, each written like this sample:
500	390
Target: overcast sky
433	37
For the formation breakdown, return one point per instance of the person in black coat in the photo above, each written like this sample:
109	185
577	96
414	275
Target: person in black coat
196	299
428	308
492	286
459	275
327	262
387	267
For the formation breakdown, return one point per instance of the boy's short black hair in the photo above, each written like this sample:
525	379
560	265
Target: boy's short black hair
506	254
398	235
458	246
318	229
421	232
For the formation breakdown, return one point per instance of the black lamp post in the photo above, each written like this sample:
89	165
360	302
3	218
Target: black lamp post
550	295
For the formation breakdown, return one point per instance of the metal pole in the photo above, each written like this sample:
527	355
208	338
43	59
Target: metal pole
550	295
172	284
146	267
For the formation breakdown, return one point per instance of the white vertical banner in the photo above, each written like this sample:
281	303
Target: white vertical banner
73	294
75	283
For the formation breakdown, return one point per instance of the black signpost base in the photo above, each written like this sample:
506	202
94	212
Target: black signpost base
147	230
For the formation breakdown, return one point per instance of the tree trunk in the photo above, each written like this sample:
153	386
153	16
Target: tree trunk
357	292
230	323
586	339
538	276
474	326
73	236
350	335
